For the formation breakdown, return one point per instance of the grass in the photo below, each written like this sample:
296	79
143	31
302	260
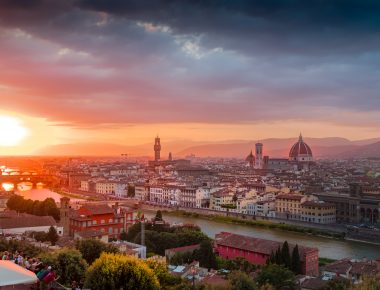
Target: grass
259	223
325	261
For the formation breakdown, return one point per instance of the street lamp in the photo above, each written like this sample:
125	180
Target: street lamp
193	276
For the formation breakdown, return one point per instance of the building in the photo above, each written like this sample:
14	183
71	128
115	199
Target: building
157	149
354	206
188	197
259	156
221	198
103	218
142	191
169	253
136	250
319	212
300	155
258	251
13	223
111	187
289	206
300	158
157	162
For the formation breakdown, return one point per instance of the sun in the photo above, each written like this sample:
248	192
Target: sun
12	131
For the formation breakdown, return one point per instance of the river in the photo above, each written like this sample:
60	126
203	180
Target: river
328	248
26	190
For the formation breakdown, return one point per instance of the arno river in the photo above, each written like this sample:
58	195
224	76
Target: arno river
329	248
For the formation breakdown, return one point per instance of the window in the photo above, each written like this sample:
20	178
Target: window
110	230
94	222
110	220
102	221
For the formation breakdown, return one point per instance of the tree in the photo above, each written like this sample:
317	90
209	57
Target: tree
131	191
115	271
285	254
91	249
158	216
160	270
296	261
52	236
369	282
68	263
205	255
241	281
337	284
278	276
123	236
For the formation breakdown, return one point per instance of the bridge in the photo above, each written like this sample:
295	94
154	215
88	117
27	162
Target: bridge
16	179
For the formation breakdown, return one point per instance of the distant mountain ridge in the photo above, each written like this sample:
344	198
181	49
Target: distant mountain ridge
329	147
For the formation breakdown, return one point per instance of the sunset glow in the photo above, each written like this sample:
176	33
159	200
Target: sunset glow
12	131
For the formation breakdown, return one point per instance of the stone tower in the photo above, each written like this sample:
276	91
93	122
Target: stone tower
259	155
64	215
157	149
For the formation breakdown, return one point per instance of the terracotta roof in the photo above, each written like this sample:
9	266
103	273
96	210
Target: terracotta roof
23	222
179	249
97	208
339	267
313	284
257	245
289	196
364	268
90	234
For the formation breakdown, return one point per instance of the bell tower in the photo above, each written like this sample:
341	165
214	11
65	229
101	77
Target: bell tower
64	215
157	149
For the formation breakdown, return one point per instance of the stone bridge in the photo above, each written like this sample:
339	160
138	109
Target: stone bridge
15	179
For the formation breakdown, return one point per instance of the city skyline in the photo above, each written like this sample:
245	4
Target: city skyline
120	72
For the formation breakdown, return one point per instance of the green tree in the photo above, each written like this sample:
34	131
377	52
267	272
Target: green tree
159	268
158	216
241	281
91	249
296	261
115	271
68	263
123	236
285	254
52	235
278	276
205	255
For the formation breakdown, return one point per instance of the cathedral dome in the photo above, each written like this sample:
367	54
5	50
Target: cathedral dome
300	151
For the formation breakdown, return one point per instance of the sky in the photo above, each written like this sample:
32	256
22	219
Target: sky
122	71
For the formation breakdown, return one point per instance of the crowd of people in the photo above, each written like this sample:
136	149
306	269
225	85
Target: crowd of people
45	274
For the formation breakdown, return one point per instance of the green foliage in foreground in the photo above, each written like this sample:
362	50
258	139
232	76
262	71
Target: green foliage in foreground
115	271
20	246
68	264
91	249
278	276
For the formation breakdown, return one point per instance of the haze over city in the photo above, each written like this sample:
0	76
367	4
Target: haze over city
121	72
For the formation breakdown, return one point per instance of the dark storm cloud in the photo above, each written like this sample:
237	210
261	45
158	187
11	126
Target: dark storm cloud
291	26
80	61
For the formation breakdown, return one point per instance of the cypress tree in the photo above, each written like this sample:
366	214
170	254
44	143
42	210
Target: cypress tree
278	257
285	253
296	261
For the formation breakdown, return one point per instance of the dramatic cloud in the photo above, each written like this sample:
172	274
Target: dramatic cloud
91	62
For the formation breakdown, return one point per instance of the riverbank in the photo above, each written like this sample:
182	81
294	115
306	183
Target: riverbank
72	195
259	223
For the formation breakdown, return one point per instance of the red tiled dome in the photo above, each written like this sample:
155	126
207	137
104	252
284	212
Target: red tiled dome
300	149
